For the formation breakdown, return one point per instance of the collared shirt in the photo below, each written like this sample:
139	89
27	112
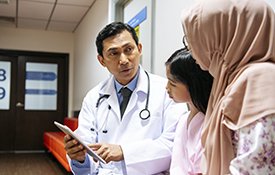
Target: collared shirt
131	85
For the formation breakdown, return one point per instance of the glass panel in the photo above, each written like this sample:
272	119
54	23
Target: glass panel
5	81
41	86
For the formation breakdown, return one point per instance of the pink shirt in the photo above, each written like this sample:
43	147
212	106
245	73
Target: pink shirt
187	150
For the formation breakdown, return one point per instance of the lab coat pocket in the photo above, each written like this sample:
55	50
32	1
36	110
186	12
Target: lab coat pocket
153	123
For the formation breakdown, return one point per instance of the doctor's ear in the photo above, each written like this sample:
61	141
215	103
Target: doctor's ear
101	60
139	47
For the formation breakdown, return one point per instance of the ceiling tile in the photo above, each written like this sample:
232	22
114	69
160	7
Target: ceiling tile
68	13
76	2
61	26
32	23
34	14
8	9
36	10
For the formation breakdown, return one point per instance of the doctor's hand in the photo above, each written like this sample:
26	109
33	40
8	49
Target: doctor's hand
74	150
108	152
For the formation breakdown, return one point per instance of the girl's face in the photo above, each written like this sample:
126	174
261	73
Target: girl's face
177	91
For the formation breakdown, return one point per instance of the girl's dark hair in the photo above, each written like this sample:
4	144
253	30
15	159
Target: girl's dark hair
113	29
184	69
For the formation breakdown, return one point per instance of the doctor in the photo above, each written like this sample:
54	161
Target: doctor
139	140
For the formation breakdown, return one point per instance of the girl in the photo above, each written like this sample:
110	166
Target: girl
188	83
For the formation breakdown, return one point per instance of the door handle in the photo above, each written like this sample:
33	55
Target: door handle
19	104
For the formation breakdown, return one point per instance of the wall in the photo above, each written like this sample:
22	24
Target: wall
271	3
168	31
44	41
87	70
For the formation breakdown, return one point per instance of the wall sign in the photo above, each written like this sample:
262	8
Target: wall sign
139	18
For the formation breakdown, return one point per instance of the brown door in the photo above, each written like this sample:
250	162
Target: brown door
7	101
38	96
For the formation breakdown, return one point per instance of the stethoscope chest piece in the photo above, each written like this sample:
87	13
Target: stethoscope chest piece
144	114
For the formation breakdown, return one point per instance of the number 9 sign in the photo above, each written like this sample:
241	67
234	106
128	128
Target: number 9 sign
2	93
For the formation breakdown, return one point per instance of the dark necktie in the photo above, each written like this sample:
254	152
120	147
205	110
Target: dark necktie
126	94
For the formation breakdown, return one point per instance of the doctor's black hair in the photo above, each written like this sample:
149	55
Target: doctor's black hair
184	69
113	29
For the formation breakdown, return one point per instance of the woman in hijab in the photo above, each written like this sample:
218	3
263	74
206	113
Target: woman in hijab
235	41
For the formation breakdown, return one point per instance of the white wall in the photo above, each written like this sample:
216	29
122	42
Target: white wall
168	31
87	70
44	41
271	3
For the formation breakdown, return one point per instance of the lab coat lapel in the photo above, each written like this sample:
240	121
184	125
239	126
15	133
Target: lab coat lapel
112	100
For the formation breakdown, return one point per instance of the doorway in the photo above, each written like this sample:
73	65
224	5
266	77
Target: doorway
33	94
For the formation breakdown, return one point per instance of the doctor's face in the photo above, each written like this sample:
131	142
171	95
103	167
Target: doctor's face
177	90
121	56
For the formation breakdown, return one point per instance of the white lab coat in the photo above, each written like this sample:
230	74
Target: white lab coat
146	144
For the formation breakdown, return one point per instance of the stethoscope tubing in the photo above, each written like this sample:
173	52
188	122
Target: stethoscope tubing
146	110
144	114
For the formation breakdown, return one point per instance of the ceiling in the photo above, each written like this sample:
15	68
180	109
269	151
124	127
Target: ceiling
49	15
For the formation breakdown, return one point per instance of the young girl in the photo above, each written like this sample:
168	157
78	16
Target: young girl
188	83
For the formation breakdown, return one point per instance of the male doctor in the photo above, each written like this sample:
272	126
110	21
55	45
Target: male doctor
136	140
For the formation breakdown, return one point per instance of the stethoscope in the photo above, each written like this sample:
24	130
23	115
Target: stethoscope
144	114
